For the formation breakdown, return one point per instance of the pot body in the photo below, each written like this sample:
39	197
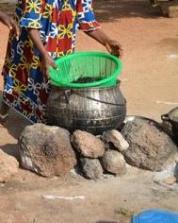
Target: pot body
171	121
91	109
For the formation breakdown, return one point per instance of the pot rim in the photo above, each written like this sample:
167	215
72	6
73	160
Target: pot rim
90	88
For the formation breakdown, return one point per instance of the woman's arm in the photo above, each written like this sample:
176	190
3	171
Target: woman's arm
9	22
87	23
46	59
111	45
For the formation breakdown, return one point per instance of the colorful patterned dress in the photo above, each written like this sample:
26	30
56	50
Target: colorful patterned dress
25	89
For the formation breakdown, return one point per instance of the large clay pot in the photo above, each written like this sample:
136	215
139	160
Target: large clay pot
91	109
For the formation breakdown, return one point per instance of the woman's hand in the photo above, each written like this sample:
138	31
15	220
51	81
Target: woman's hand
114	48
47	62
10	23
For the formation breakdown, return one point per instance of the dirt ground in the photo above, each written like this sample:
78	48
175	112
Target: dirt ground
149	83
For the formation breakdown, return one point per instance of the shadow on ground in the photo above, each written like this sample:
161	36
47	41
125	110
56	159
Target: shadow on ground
14	124
110	10
12	150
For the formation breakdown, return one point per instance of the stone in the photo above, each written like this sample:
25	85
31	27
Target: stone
167	177
8	166
170	180
114	162
91	168
115	138
46	150
87	144
149	146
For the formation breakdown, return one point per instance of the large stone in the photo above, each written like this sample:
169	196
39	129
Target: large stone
46	150
114	162
149	146
8	166
91	168
115	138
87	144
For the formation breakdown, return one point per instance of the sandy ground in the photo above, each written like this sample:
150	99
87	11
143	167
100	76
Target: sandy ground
149	83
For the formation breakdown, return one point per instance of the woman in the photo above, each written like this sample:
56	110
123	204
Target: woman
48	31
